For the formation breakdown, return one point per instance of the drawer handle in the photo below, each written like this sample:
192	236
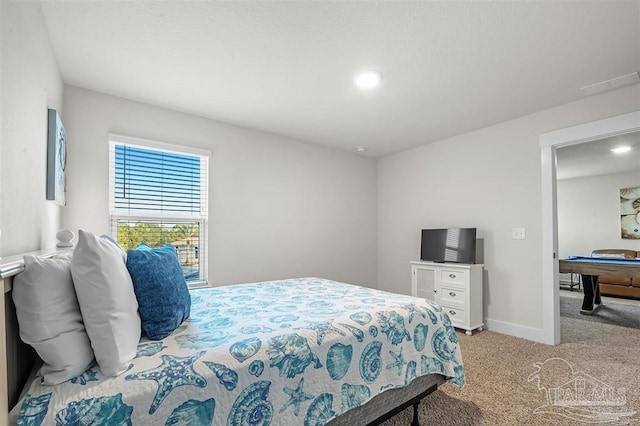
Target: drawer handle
452	312
452	294
452	275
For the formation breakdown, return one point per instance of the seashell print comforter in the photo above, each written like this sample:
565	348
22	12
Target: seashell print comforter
289	352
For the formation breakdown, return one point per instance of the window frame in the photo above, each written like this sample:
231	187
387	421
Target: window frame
202	219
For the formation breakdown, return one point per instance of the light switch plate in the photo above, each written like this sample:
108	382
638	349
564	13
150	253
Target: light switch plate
518	233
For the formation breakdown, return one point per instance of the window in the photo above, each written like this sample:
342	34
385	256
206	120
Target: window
158	196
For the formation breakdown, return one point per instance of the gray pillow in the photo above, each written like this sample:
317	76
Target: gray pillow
107	301
50	320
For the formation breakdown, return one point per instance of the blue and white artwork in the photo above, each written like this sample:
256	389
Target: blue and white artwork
56	159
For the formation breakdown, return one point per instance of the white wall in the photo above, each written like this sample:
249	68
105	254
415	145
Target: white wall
278	208
30	85
589	213
489	179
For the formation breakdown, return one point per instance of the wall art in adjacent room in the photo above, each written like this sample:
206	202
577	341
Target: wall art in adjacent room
630	213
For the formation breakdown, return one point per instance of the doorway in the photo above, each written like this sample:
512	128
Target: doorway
589	178
549	143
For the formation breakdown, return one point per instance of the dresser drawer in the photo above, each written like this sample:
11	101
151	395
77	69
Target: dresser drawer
454	276
454	296
457	315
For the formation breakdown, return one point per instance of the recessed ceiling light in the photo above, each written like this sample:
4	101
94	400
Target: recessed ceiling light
368	79
361	148
621	149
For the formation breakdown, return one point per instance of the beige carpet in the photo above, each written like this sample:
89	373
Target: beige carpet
498	367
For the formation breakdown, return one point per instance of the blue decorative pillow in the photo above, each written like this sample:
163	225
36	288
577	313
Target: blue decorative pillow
158	281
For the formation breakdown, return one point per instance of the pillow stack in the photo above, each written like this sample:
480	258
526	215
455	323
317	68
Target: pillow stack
97	303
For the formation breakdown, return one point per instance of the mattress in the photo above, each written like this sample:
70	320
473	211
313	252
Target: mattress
297	351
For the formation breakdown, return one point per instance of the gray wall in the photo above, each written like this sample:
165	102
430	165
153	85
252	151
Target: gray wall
30	85
589	213
489	179
278	208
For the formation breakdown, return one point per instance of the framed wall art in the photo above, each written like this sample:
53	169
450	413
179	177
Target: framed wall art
56	159
630	213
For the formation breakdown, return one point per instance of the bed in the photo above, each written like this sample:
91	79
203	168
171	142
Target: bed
299	351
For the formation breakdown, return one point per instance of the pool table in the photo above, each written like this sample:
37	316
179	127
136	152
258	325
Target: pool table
590	268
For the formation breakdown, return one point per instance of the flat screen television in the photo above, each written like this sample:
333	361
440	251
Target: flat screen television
448	245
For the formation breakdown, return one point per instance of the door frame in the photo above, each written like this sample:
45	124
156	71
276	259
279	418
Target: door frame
549	142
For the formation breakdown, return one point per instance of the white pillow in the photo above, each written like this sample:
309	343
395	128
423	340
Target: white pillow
50	320
107	301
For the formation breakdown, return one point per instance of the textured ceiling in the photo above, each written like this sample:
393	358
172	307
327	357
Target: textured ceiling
287	67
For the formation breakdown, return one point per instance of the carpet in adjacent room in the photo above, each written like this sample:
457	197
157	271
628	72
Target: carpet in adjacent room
624	315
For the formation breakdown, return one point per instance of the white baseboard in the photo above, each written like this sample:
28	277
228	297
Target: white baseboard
529	333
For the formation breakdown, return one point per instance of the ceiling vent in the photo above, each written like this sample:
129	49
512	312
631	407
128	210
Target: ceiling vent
614	83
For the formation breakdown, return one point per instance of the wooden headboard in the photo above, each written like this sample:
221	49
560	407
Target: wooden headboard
16	358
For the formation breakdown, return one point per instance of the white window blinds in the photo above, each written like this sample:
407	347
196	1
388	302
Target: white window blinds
158	196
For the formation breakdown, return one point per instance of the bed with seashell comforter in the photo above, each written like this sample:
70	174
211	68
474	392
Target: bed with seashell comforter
298	351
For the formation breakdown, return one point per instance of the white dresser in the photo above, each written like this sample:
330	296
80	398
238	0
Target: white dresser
457	287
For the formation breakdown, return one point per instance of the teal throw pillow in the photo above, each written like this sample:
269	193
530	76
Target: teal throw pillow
164	301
